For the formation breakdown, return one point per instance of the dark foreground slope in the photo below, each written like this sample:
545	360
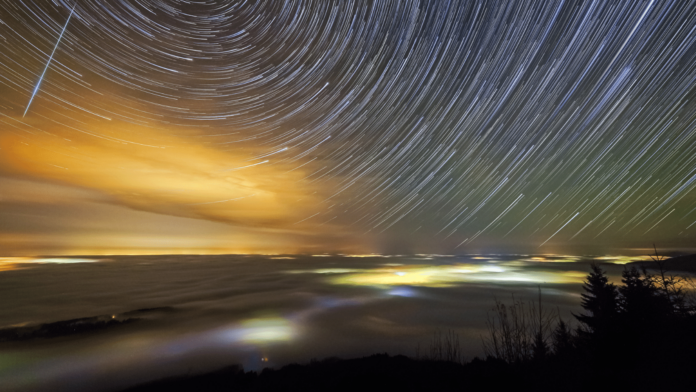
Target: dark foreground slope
377	372
398	373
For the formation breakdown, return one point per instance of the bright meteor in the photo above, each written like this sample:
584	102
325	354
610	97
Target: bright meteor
36	89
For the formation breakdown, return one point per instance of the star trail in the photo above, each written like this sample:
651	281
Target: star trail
346	126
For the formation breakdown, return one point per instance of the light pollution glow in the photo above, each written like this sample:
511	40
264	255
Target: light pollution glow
446	276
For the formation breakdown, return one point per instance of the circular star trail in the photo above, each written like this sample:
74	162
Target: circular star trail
452	124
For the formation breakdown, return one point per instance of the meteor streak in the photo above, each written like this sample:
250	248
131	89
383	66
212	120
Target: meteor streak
36	89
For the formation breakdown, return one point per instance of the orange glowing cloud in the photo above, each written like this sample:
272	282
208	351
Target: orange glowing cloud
158	172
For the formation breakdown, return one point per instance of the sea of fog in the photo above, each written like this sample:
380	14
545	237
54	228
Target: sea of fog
258	311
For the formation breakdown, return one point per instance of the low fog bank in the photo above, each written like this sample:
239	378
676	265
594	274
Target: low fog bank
257	311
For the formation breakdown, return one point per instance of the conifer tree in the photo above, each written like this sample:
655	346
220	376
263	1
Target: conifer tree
600	303
540	348
641	300
562	339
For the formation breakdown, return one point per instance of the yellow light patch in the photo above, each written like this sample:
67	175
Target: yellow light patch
448	275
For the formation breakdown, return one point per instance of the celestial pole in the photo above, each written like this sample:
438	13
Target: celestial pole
38	84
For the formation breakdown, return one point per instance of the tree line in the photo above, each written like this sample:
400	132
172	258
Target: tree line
638	335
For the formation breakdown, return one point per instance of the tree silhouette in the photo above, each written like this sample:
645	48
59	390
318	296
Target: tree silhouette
667	285
600	301
638	336
519	331
641	302
563	340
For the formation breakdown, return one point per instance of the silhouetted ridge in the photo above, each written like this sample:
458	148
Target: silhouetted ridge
686	263
61	328
77	326
162	309
379	372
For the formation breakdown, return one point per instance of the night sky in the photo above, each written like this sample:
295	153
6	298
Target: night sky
152	126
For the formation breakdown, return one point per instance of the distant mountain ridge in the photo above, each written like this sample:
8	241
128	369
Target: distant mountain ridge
685	263
75	326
